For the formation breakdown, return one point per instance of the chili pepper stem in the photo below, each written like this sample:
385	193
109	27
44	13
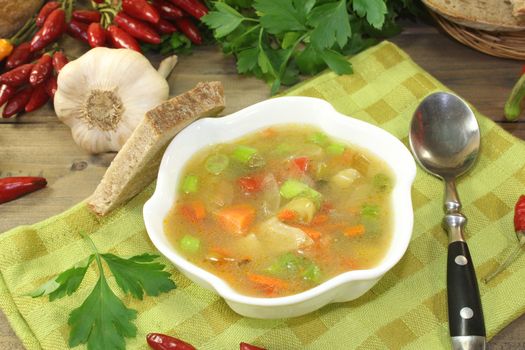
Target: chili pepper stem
513	105
515	253
24	33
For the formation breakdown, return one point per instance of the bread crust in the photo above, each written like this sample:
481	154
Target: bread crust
518	7
137	163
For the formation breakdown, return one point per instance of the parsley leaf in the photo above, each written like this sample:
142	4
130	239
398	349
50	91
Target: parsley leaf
65	283
374	10
331	24
337	62
139	274
102	321
279	16
223	21
247	59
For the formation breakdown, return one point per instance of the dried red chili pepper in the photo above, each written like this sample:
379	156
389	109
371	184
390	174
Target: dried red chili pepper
96	35
6	92
86	16
17	103
167	10
59	61
159	341
41	70
45	11
246	346
20	55
519	214
77	30
190	30
15	187
17	76
51	86
137	29
38	98
52	29
165	27
193	7
122	40
140	9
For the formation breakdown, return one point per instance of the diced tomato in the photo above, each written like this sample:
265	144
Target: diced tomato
250	184
301	163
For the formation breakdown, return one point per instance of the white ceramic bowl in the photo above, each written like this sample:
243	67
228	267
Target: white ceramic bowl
284	110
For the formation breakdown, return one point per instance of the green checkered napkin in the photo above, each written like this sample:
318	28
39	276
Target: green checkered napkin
406	309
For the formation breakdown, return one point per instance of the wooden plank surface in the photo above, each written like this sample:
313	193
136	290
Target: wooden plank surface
38	144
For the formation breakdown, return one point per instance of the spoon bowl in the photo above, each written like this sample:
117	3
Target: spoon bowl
445	139
444	135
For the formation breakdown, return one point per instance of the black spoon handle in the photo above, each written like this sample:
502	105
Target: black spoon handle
465	314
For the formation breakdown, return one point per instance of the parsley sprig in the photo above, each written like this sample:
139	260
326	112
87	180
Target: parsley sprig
103	321
277	40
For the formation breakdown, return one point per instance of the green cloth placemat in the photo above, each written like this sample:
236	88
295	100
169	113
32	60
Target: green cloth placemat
406	309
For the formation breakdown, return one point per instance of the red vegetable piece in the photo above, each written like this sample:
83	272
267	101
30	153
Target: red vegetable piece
122	40
246	346
301	163
168	10
6	92
189	29
519	214
51	86
96	35
17	76
17	103
193	7
250	184
165	27
52	29
15	187
137	29
59	61
159	341
86	16
77	30
20	55
41	70
45	11
140	9
38	98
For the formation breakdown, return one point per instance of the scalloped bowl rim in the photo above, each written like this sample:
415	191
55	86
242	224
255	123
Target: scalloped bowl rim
281	110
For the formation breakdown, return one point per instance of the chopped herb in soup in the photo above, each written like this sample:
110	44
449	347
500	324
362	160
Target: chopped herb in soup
282	210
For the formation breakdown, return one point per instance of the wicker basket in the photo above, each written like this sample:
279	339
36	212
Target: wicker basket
500	44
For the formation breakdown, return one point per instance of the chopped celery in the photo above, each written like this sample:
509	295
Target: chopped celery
293	188
217	163
190	244
304	208
243	154
318	138
312	273
190	184
288	263
382	182
335	149
370	211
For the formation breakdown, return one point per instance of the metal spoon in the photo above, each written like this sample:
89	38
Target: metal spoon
444	137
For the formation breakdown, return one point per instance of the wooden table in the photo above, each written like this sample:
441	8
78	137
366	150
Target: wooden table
38	144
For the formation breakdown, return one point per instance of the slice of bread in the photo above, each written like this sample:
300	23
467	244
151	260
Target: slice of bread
137	163
518	7
489	15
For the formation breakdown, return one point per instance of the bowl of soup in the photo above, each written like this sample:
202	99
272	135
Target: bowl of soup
284	206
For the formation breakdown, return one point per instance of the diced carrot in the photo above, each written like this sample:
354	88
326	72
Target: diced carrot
312	233
236	219
269	132
267	281
193	211
287	215
250	184
319	219
348	156
221	251
353	231
301	163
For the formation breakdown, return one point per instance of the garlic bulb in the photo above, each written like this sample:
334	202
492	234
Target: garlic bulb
103	95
